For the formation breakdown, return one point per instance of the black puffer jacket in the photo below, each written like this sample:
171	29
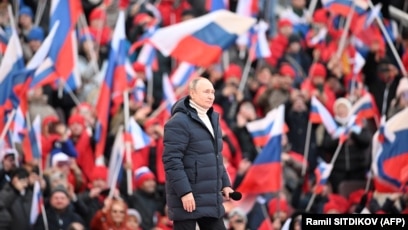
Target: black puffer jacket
193	163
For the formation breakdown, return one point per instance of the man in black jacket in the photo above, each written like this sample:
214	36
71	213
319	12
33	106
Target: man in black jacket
196	179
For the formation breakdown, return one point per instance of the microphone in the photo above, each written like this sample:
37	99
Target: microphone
235	195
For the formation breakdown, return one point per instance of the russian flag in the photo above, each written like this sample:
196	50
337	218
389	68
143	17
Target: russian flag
32	141
322	173
391	156
260	129
116	159
168	93
248	8
358	63
110	90
36	203
365	108
139	138
18	125
74	79
138	92
11	64
182	74
265	174
61	52
319	114
259	47
365	20
3	41
213	5
343	7
207	35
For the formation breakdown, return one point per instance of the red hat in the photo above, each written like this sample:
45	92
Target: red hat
141	18
331	205
317	69
233	70
274	203
355	197
138	67
49	119
321	16
76	118
99	172
284	22
98	14
340	201
287	70
143	174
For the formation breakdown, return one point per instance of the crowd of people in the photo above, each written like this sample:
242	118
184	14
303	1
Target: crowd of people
75	191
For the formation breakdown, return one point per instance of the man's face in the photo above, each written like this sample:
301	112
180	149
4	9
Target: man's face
341	111
59	201
203	94
9	162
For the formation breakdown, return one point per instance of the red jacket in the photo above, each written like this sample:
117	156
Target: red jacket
171	15
330	96
86	159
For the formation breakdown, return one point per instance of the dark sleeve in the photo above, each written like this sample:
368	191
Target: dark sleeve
329	144
362	139
225	179
7	197
39	224
176	138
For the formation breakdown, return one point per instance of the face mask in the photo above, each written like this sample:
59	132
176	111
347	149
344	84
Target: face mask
341	120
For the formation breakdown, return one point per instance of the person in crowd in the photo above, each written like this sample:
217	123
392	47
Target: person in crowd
92	199
38	105
196	185
230	93
9	160
144	199
246	113
25	20
113	216
70	169
83	144
352	162
59	211
237	219
134	219
298	15
15	202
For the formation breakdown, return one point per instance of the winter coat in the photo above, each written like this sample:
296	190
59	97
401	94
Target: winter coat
58	220
18	207
193	163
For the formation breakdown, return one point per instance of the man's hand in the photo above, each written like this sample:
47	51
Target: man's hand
94	192
226	192
188	202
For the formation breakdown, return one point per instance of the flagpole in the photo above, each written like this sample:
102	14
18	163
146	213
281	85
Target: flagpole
40	11
307	147
178	93
388	39
150	82
72	95
344	35
241	87
115	171
8	124
312	7
94	57
333	160
127	144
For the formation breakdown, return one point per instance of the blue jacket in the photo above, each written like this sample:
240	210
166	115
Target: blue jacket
193	163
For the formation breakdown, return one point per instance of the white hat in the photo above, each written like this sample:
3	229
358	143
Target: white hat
343	101
59	157
135	213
